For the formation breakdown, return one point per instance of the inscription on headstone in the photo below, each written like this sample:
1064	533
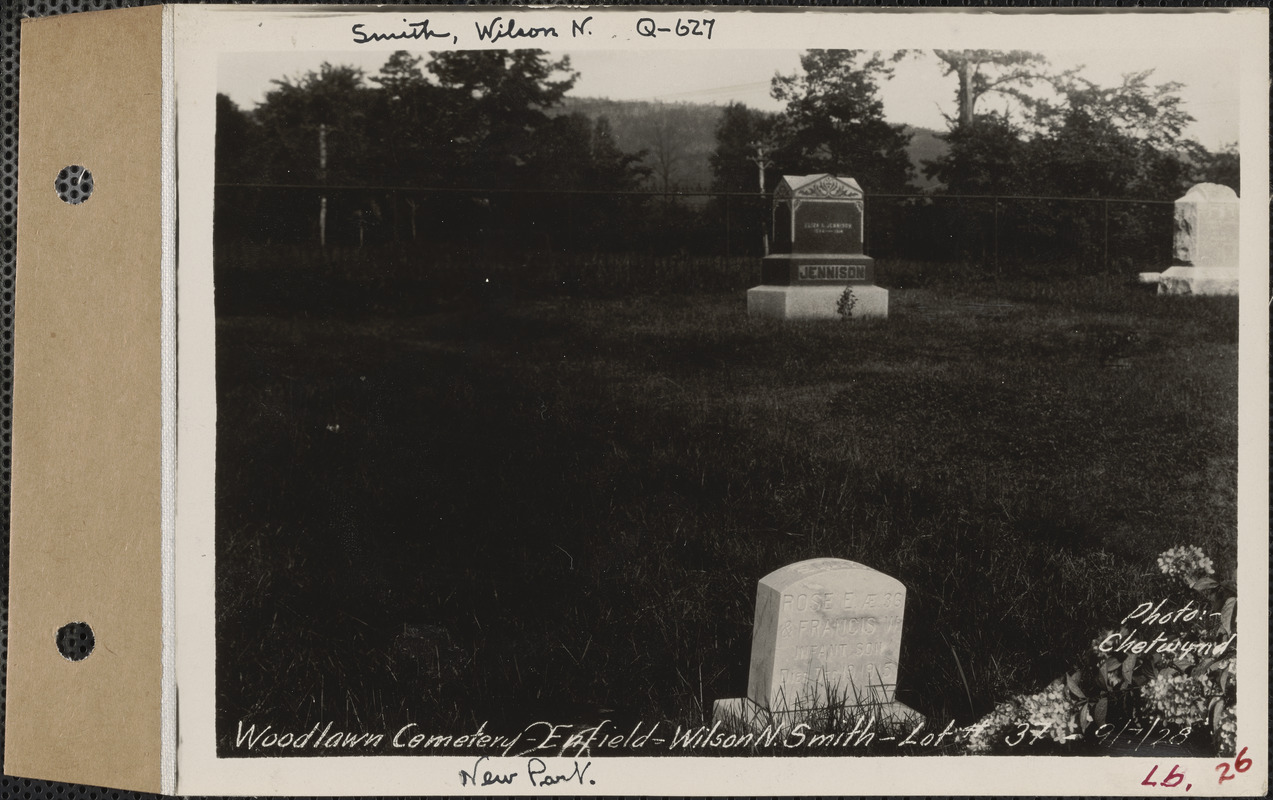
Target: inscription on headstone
818	215
826	630
826	637
828	226
830	272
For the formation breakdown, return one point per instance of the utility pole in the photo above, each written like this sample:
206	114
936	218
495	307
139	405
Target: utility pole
322	177
1105	255
761	161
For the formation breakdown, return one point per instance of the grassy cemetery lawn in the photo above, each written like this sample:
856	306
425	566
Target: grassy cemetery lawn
551	507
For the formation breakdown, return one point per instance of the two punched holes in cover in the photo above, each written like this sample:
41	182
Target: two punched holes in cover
74	640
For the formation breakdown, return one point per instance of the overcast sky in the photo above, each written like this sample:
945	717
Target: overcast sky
918	94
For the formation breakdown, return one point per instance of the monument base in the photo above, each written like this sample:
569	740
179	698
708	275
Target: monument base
744	715
816	302
1199	280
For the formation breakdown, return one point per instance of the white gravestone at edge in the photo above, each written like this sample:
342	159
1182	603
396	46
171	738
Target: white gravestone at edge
1204	244
1206	227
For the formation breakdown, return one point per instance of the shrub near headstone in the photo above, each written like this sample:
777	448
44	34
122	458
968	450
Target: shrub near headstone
825	642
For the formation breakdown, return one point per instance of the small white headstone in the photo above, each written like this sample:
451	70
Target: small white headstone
826	629
827	635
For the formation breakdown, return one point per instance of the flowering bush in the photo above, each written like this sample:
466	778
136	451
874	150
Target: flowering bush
1182	682
1178	699
983	736
1186	564
1226	730
1049	716
1051	713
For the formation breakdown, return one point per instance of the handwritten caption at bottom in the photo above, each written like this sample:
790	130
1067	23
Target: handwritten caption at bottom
486	772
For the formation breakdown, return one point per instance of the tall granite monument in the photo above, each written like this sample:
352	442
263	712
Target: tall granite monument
818	235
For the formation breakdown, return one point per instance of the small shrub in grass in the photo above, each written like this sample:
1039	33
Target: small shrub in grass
847	302
1183	683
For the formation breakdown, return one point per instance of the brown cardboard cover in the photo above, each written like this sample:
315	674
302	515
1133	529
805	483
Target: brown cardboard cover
86	517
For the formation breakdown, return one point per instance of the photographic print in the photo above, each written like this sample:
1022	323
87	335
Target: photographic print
732	390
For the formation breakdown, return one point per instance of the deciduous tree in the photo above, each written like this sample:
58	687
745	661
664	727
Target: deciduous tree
991	157
834	120
742	135
332	104
411	122
1124	140
983	72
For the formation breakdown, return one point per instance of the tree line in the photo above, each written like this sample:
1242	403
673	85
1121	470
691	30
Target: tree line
1061	135
1052	133
467	120
492	121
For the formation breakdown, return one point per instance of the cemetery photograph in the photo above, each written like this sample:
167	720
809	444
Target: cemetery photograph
774	402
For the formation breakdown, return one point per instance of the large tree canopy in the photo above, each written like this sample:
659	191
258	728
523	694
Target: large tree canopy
323	112
1065	136
1069	136
495	101
983	72
989	158
472	119
834	120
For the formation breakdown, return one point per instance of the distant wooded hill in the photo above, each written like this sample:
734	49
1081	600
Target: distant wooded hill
679	138
926	145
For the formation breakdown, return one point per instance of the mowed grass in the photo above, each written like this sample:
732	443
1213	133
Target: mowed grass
515	508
